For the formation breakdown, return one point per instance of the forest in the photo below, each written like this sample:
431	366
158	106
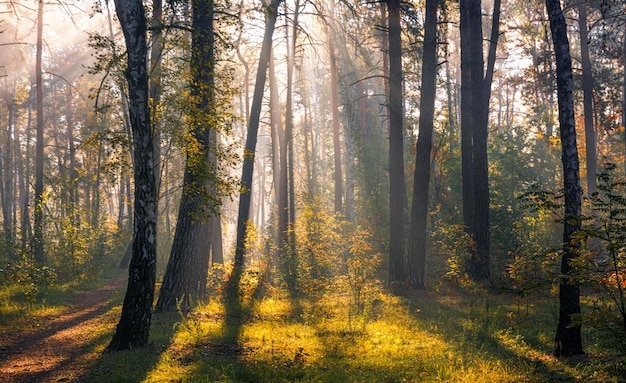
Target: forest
313	191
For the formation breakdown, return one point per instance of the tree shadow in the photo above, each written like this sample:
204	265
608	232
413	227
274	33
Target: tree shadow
477	329
132	365
60	347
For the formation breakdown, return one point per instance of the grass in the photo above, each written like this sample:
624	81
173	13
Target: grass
18	313
456	336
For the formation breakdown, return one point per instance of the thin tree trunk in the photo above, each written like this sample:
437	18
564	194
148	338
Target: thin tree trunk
338	177
419	210
467	125
7	184
250	147
590	132
276	133
568	339
156	58
134	325
38	248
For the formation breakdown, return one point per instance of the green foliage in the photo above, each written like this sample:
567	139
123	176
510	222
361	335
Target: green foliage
603	263
336	253
319	245
29	276
361	264
451	253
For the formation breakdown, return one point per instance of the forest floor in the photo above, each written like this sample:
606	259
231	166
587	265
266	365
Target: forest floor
53	346
451	335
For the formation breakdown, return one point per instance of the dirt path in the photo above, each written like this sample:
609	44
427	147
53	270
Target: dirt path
61	349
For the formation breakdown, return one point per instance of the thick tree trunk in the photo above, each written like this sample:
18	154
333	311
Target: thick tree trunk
419	209
134	325
184	282
568	339
590	132
480	267
397	187
217	252
38	248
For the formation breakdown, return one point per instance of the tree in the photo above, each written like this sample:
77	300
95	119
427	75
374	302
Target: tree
568	339
332	54
38	245
590	133
185	277
243	215
134	325
475	118
397	187
419	209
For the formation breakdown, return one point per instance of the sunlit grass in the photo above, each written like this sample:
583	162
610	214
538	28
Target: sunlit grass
456	336
478	337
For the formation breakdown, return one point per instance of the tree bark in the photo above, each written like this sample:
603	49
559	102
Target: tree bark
250	147
397	187
217	252
467	151
134	325
568	339
334	89
184	282
156	55
38	248
590	132
419	209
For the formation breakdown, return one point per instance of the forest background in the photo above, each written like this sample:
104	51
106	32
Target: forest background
339	197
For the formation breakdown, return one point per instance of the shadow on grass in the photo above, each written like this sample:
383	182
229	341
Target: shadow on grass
59	348
475	323
132	365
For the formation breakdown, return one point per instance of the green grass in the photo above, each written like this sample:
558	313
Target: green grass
18	313
458	336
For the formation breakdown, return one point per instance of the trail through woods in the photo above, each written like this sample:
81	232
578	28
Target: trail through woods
60	349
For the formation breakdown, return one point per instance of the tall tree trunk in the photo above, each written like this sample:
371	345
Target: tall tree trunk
467	125
568	339
590	132
184	281
397	187
156	58
134	325
286	206
26	231
8	183
338	177
419	210
38	248
276	135
481	91
250	147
